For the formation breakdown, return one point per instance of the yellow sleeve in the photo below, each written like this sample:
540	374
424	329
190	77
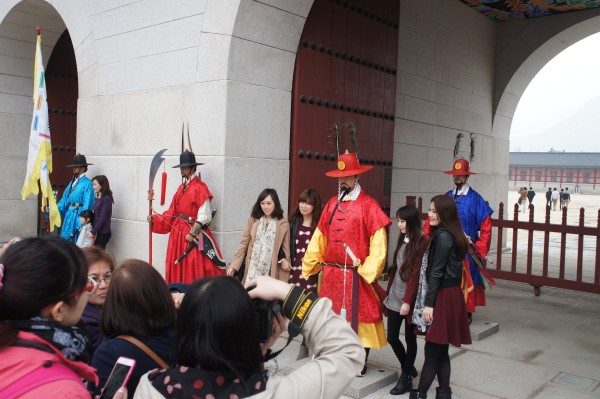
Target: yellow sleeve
315	253
373	266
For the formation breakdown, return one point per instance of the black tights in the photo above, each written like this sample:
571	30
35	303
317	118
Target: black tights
406	358
437	362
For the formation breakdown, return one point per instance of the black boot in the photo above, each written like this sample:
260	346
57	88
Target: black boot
414	394
404	385
443	393
364	369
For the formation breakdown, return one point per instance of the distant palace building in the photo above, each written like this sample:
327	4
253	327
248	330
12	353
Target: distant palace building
577	170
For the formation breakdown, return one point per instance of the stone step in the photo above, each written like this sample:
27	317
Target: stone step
378	376
482	329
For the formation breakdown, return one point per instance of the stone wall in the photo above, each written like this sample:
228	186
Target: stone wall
445	87
226	68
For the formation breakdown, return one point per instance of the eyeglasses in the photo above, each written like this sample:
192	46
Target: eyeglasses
91	285
106	278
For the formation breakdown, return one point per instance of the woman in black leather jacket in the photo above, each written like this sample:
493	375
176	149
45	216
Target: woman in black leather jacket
444	305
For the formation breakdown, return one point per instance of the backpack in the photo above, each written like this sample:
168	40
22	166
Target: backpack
46	373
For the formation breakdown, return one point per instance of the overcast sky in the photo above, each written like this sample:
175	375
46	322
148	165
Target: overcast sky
559	90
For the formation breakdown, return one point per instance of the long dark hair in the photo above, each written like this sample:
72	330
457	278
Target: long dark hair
311	197
216	328
38	272
104	186
88	214
138	302
414	231
257	211
447	213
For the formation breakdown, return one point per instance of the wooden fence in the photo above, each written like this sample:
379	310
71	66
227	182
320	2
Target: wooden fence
555	255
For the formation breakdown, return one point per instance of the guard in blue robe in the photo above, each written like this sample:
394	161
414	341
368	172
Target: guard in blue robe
78	196
472	211
475	218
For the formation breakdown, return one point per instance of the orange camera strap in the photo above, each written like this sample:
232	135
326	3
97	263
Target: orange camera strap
145	349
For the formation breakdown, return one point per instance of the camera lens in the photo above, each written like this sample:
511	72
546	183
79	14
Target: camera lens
263	311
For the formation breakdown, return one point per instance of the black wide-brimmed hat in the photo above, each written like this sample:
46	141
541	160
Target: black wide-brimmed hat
79	161
187	159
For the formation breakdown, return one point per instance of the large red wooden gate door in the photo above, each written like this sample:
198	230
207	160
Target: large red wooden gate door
345	71
62	86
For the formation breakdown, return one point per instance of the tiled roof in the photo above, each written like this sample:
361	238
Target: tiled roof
555	159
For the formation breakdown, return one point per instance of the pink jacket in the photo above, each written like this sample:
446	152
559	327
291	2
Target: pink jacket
17	362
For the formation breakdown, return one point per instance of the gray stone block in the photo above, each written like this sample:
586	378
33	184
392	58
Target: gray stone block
576	381
483	329
376	378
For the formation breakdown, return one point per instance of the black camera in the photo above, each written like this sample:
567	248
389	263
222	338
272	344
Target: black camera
264	312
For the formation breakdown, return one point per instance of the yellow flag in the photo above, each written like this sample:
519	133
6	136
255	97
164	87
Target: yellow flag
39	161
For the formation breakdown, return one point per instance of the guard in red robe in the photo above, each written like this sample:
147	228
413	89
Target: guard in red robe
353	218
190	206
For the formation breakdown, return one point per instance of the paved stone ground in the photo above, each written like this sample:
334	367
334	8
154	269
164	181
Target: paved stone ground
548	347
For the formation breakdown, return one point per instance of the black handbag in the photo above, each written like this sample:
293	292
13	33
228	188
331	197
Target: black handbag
239	274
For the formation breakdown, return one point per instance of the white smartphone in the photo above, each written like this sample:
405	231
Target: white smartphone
118	377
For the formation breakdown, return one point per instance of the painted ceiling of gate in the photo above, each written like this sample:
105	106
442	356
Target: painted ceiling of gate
518	10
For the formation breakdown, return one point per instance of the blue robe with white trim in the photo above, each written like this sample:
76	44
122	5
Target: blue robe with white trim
472	211
81	193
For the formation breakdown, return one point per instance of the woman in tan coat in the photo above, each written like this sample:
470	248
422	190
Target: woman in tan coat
265	245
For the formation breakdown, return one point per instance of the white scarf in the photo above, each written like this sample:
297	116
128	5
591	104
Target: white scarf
262	250
417	318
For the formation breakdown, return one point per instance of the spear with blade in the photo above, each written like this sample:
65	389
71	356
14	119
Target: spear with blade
156	161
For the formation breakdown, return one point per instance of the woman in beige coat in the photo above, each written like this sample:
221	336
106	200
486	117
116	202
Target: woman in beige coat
265	245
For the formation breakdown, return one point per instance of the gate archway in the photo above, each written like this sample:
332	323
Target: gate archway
516	68
18	20
62	86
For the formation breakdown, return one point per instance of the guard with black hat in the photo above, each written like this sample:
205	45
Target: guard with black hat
78	196
187	221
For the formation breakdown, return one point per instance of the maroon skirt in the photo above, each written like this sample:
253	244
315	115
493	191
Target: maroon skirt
450	324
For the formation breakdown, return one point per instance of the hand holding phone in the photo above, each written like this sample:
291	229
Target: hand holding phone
119	376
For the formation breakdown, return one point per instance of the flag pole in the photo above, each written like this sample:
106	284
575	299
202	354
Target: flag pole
39	160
